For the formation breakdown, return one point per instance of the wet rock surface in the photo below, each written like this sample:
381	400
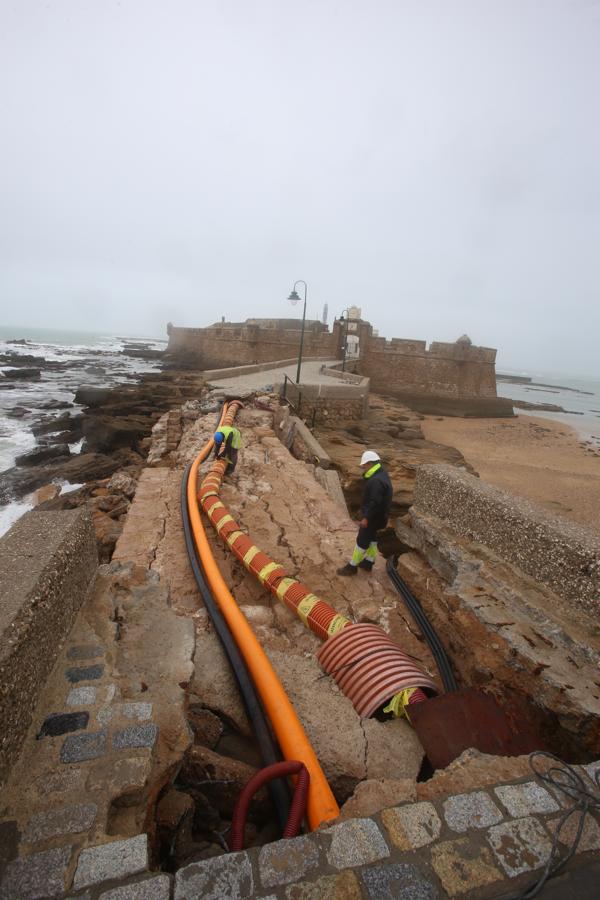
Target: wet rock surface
115	434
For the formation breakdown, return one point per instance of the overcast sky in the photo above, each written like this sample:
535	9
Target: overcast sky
435	162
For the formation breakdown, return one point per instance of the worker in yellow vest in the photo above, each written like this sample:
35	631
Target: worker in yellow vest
228	441
375	512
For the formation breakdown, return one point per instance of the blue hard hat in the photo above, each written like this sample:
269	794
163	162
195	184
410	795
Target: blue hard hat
218	437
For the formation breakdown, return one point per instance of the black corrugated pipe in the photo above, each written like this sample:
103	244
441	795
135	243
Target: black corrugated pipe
425	626
269	751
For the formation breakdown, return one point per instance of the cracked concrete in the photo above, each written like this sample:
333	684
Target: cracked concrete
290	516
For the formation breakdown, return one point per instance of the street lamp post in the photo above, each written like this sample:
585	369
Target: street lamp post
295	298
345	344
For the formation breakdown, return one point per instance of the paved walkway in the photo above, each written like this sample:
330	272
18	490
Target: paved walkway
310	374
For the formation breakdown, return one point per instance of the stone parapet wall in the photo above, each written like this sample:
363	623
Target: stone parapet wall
48	561
559	554
237	371
341	399
346	376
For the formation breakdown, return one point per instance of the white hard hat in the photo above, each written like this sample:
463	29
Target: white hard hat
369	456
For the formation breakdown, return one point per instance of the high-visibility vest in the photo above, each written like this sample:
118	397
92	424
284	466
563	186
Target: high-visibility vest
236	440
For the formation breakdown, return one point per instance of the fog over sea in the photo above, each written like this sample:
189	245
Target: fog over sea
77	358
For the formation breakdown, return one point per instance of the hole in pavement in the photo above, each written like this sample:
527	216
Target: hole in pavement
193	815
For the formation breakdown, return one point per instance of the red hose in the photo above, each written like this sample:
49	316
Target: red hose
297	808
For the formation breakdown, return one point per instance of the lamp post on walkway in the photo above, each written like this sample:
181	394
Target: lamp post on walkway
345	344
295	298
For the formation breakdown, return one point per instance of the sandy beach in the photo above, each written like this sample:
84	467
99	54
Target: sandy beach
535	457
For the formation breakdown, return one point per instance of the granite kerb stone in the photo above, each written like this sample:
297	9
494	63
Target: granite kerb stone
423	865
72	819
111	861
156	887
288	860
39	875
135	736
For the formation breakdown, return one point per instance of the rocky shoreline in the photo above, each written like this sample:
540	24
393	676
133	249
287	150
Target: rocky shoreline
111	435
545	407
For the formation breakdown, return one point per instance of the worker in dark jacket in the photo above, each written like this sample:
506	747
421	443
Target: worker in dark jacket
228	441
375	512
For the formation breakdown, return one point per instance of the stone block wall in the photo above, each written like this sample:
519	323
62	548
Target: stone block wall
559	554
47	563
227	345
446	379
340	399
445	370
328	408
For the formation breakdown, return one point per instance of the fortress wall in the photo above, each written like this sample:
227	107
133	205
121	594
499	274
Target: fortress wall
446	379
219	347
445	370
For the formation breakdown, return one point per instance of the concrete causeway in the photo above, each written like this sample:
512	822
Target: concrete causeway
134	695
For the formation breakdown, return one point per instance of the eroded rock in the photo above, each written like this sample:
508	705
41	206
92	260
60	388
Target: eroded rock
121	483
473	770
373	795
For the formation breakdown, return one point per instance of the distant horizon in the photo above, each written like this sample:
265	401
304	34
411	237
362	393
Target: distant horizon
511	368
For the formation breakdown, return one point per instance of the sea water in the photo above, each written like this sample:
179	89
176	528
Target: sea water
96	359
578	394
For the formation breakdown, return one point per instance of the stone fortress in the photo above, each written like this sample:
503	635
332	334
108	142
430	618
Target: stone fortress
444	379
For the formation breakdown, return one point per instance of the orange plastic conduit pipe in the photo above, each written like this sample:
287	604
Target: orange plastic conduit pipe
314	612
395	671
294	743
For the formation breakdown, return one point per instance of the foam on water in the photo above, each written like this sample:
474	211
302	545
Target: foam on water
66	487
11	513
57	346
15	438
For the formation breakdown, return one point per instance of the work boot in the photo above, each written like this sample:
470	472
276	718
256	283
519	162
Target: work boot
365	564
347	570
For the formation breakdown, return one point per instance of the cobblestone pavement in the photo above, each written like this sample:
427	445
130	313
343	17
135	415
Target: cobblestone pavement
310	374
73	811
481	844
